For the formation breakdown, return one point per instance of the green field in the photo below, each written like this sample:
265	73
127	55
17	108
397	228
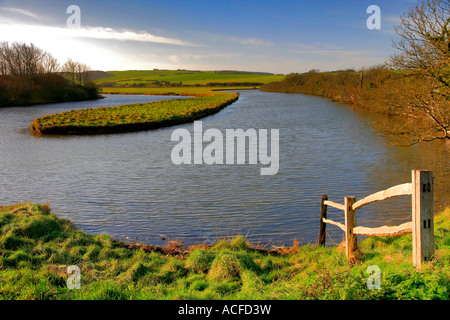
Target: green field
150	78
203	85
37	247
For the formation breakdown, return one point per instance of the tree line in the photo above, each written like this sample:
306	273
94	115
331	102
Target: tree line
412	87
30	75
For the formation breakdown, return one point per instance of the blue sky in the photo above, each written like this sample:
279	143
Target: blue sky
263	35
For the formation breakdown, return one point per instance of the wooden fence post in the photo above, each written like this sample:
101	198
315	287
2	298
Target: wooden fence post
350	223
323	225
422	216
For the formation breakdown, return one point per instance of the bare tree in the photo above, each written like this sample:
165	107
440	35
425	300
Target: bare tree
424	41
26	61
28	74
76	72
20	59
4	65
424	45
32	57
69	70
83	73
6	56
50	64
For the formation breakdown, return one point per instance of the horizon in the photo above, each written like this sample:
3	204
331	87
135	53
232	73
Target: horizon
278	38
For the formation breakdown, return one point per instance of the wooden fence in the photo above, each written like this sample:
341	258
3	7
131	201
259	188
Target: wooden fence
421	226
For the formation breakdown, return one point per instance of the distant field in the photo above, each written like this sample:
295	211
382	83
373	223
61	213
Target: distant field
152	78
202	85
174	91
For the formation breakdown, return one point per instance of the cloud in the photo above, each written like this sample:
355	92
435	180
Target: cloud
332	52
393	20
14	26
176	58
27	32
250	41
323	49
207	56
84	44
21	12
125	35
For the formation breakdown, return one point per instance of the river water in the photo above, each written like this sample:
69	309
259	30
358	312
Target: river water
126	184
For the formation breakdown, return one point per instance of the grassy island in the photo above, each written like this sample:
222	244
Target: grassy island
136	117
37	247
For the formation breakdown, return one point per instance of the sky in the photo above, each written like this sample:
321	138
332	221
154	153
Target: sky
265	36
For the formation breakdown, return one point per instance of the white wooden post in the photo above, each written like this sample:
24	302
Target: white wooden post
422	216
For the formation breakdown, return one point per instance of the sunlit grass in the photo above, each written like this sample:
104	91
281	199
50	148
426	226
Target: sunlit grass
190	78
37	247
134	117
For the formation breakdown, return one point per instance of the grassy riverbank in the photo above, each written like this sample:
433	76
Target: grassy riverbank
136	117
37	247
359	88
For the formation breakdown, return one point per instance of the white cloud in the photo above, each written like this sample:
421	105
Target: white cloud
64	43
332	52
250	41
193	60
20	32
323	49
21	12
207	56
177	58
393	20
174	58
125	35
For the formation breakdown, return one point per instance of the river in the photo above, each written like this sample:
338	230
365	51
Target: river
126	184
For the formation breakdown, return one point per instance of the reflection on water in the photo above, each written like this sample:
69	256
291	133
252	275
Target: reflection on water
126	184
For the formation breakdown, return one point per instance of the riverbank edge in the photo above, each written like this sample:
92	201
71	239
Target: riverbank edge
33	104
332	98
37	248
37	130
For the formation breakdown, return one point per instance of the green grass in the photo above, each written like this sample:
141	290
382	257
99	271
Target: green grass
189	78
36	247
136	117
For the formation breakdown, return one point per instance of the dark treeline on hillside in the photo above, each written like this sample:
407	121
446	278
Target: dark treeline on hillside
29	75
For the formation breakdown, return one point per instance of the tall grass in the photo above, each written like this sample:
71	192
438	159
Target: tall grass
37	247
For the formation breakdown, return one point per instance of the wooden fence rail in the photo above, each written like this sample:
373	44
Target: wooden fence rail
421	226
